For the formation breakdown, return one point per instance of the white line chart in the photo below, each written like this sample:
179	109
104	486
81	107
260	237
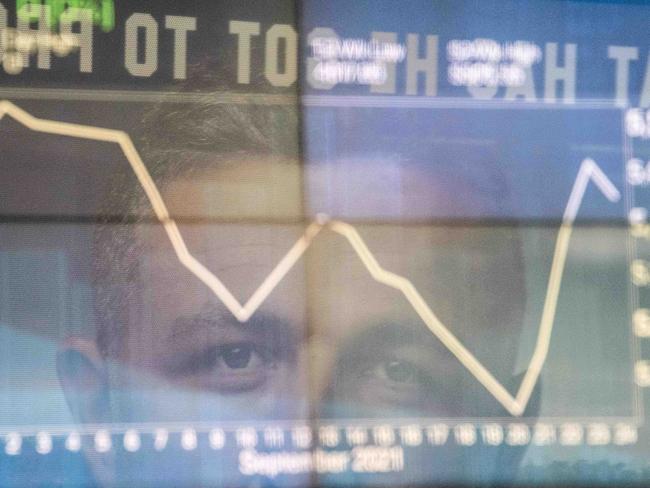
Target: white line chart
514	404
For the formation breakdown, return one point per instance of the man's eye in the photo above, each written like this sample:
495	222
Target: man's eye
228	368
239	356
400	371
397	371
234	358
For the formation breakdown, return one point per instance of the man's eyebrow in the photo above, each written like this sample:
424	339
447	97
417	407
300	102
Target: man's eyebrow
268	328
381	335
391	331
188	324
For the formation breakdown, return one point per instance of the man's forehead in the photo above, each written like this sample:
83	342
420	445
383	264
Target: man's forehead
226	211
235	187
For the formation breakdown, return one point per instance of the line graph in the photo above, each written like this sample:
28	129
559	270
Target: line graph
514	404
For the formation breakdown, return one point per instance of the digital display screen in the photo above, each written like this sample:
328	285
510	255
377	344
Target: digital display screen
307	243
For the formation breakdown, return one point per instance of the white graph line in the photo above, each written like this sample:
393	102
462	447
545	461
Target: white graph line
242	313
515	405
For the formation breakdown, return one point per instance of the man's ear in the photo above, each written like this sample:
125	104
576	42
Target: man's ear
83	376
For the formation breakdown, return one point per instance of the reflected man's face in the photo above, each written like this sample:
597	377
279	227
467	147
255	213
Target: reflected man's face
329	340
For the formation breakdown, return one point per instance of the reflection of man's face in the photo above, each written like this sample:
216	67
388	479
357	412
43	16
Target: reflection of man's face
329	340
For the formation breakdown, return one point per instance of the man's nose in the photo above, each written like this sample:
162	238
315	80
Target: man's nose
321	361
